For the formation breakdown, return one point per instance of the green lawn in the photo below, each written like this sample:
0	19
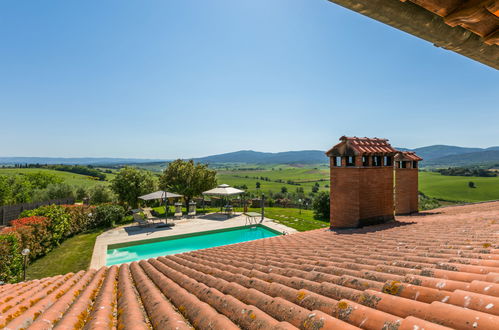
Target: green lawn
72	179
455	188
72	255
300	220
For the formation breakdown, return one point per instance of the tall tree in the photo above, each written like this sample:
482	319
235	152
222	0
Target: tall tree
188	179
130	183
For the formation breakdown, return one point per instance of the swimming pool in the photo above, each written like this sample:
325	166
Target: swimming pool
127	252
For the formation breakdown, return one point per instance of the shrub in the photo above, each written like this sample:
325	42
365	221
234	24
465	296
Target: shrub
81	193
82	218
100	194
42	180
321	206
109	214
33	234
427	203
59	190
42	229
58	221
11	261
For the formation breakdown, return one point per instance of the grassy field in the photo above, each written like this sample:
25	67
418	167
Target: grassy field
455	188
450	188
69	178
300	220
305	177
72	255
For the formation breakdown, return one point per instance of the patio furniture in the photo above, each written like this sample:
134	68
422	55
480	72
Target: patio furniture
228	210
163	196
252	218
141	221
224	190
147	212
178	211
192	209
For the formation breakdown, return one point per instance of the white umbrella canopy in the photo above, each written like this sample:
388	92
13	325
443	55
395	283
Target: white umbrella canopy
223	190
160	194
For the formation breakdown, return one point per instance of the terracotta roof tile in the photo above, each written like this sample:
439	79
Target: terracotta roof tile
436	271
363	145
408	156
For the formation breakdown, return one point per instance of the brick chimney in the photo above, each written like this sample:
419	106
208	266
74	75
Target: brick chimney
406	182
362	185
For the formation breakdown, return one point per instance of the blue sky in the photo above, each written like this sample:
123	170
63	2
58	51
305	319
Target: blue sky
185	78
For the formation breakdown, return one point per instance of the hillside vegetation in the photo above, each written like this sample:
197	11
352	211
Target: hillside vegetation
72	179
273	178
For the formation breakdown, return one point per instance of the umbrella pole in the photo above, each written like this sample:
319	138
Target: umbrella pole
166	210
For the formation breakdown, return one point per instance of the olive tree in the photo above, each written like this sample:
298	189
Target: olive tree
130	183
321	206
187	178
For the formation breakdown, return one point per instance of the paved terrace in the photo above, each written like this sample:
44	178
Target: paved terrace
132	232
438	270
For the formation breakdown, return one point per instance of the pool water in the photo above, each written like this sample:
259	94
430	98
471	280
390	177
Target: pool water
186	244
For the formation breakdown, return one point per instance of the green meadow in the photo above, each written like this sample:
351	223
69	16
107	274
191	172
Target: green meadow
305	177
69	178
456	188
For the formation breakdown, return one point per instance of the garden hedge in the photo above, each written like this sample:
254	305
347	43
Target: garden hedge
42	229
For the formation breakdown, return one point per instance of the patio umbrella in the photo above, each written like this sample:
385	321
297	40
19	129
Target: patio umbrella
223	190
160	194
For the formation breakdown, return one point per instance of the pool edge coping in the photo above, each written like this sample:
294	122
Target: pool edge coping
99	253
198	233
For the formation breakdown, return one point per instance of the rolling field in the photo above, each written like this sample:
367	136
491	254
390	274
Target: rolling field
306	177
69	178
435	185
455	188
449	188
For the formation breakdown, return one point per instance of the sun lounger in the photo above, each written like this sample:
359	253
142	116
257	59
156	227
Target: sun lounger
192	210
149	216
141	221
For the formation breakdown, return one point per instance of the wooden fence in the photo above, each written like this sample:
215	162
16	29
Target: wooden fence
12	212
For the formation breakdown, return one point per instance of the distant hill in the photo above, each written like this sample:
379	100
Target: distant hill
72	161
436	155
438	151
444	155
256	157
486	157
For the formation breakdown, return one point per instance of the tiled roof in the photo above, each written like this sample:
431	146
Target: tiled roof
438	270
479	17
408	155
364	145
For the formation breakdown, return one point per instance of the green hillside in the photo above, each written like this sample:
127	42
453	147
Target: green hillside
451	188
455	188
69	178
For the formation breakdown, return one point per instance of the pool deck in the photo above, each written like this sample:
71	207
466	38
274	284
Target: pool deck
132	232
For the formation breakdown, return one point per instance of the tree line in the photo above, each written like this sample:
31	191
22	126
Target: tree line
467	171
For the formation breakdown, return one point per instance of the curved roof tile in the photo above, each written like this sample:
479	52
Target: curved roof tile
436	271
